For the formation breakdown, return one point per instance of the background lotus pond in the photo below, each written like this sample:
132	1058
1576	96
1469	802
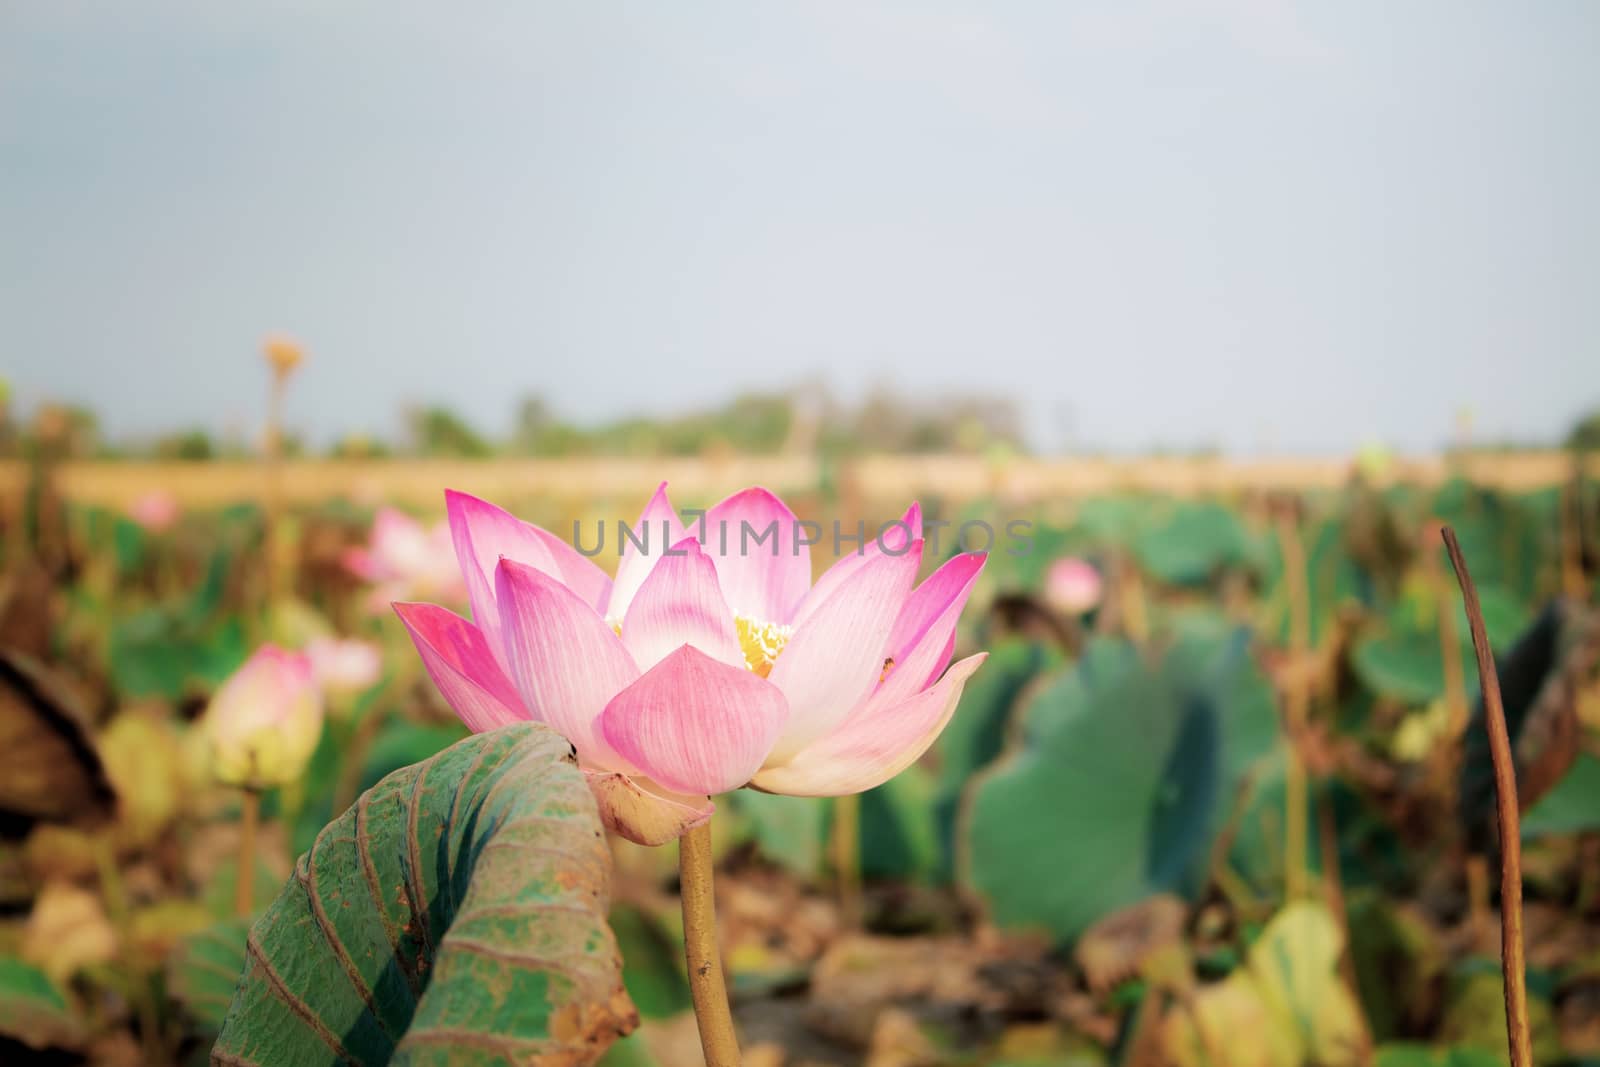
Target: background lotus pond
1117	853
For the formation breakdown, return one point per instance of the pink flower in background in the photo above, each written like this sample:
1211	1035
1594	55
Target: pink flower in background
344	665
156	510
702	668
1073	585
265	720
405	559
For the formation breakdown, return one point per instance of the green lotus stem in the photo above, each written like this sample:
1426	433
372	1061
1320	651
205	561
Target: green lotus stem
249	822
1295	813
706	986
1333	879
847	856
114	891
273	496
1130	602
1513	963
1297	707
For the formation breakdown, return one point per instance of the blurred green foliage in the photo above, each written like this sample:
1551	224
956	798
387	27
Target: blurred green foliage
1094	761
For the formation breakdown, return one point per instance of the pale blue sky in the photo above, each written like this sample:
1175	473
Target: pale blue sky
1239	222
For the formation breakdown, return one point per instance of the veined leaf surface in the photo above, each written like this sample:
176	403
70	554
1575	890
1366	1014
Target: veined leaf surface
455	914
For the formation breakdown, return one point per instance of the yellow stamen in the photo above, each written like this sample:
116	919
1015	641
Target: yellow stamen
888	665
761	642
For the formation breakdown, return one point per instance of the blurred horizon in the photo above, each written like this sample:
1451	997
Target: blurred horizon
808	423
1237	226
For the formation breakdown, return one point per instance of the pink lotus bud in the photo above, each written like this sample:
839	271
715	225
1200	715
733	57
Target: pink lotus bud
344	665
265	720
404	559
1073	586
155	511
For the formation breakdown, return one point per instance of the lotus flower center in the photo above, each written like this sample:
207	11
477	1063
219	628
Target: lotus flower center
761	642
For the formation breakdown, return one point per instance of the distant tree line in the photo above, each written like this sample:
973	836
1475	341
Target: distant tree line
803	419
807	418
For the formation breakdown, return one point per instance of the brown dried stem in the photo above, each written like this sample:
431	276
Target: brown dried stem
1513	964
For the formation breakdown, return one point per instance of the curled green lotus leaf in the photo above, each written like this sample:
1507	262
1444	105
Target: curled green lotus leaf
455	914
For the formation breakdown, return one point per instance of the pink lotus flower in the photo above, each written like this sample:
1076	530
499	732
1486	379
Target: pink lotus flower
405	559
344	665
1073	585
702	668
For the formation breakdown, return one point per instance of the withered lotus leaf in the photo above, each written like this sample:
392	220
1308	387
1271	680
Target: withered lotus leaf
49	767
